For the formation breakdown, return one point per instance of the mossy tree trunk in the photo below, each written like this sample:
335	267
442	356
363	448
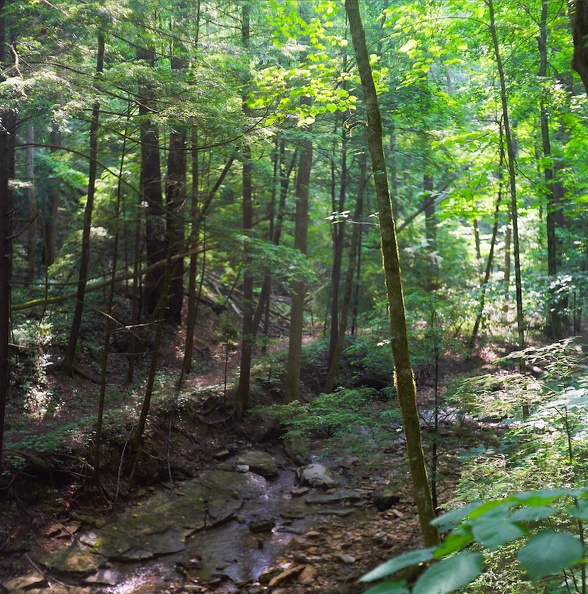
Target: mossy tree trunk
404	376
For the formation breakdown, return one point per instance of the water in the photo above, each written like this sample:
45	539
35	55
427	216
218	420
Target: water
229	554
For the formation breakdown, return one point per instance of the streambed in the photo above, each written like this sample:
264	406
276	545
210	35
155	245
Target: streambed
221	532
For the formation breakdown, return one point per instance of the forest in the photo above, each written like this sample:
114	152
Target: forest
292	296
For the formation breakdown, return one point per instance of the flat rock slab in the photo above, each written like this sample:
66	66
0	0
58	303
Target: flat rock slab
73	559
161	525
343	496
260	463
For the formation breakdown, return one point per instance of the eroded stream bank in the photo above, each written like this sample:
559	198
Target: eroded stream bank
244	526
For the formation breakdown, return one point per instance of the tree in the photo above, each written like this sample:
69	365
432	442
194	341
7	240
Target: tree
68	358
404	377
298	293
7	145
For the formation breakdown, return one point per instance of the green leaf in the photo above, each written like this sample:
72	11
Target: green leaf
580	511
332	107
549	552
532	514
450	574
455	541
455	516
408	46
496	507
493	531
540	497
479	11
389	588
398	563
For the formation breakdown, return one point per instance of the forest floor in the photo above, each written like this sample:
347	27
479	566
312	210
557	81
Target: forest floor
48	495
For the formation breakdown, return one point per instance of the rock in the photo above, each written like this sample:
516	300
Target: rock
221	455
161	524
347	559
287	573
263	426
26	582
268	575
72	560
259	463
297	449
299	491
105	577
384	498
347	495
308	575
261	523
342	512
317	475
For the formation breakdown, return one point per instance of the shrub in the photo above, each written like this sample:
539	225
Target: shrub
521	521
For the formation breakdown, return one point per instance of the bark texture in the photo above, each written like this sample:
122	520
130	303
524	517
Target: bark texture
404	376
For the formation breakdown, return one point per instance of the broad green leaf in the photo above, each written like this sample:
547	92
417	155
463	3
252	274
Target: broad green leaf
540	497
580	511
332	107
493	532
479	11
455	516
398	563
497	508
455	541
450	574
549	552
532	514
389	588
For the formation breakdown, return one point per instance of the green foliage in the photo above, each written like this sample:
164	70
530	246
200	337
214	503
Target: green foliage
516	520
364	358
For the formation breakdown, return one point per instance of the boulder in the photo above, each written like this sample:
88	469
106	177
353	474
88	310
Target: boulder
259	463
297	450
317	475
261	523
262	426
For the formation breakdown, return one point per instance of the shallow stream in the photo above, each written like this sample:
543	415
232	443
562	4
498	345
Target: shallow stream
227	556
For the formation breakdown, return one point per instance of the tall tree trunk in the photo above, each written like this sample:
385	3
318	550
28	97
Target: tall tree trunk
174	207
155	233
109	323
489	262
69	356
199	212
247	331
7	146
510	152
299	286
298	293
194	232
349	281
338	234
429	209
50	213
580	34
32	204
283	172
548	172
404	376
